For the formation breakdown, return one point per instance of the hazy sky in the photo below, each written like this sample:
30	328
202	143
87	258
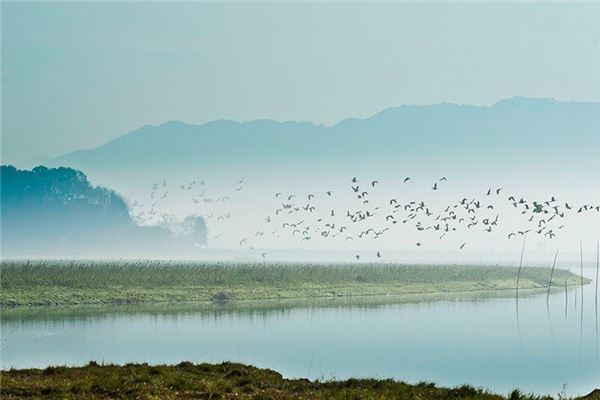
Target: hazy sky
77	75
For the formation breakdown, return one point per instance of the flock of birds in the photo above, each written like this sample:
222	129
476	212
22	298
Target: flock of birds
149	214
303	217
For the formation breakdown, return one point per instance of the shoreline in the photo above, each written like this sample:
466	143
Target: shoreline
394	297
21	313
225	381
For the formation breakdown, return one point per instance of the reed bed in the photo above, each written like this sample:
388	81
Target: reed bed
101	274
50	282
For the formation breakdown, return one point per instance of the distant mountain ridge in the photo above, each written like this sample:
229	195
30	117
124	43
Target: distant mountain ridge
511	131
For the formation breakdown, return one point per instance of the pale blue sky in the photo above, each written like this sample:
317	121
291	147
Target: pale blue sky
76	75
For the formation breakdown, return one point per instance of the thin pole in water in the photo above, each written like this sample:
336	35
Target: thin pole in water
581	262
597	268
596	303
520	266
566	301
551	274
581	320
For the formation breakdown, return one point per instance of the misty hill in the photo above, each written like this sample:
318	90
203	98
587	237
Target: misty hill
58	212
510	133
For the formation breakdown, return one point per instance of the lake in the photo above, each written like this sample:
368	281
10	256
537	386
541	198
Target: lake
478	342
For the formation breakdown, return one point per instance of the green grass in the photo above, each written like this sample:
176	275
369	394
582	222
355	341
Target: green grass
257	307
222	381
132	282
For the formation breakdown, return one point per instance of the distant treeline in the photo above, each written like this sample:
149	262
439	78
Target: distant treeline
56	211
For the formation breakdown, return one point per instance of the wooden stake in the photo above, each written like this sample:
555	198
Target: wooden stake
551	274
581	258
520	266
597	268
566	301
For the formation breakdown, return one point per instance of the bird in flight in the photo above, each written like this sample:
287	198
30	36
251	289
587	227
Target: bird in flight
406	179
463	245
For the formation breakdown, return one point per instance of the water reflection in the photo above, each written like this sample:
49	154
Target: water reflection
447	341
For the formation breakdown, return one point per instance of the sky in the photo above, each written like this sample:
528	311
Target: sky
76	75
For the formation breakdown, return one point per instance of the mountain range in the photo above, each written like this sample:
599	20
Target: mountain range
536	148
520	136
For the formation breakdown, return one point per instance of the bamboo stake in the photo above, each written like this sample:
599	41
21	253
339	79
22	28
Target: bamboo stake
520	266
551	274
581	259
566	301
596	302
597	268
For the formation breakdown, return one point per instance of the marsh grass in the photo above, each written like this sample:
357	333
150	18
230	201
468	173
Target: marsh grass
220	381
125	282
98	274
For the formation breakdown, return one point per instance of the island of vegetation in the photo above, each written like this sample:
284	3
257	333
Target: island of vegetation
36	283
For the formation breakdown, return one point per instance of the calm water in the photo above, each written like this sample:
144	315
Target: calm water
476	342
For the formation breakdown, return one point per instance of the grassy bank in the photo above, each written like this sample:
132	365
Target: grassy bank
79	282
258	308
206	381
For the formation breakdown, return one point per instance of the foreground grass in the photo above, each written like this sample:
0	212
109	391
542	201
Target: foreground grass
109	282
206	381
